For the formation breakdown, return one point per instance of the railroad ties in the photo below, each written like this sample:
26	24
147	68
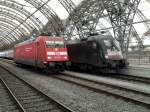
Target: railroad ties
24	97
129	94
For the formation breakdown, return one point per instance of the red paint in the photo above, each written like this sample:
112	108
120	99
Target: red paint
37	50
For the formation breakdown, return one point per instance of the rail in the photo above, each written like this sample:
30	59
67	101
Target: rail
26	95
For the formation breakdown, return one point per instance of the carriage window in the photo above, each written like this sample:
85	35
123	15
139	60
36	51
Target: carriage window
50	44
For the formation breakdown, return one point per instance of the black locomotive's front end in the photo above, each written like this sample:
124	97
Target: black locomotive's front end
114	64
112	54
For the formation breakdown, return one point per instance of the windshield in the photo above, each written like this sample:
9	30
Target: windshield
111	45
53	44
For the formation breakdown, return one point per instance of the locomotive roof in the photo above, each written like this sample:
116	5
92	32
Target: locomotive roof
96	37
25	42
99	37
38	38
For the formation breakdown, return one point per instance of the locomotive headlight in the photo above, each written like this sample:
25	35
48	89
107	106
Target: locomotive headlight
65	57
49	57
63	53
45	62
114	55
106	56
50	53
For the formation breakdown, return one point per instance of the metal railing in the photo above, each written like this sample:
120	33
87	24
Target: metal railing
139	59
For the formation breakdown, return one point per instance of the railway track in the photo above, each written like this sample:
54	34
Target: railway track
140	97
139	79
28	98
131	78
8	100
124	93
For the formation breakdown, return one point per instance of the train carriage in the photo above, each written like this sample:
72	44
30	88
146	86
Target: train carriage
9	54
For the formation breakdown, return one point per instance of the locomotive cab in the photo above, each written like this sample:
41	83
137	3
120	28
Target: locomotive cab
112	53
56	53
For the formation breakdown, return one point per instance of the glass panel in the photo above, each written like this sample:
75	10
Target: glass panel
59	44
53	44
111	45
50	44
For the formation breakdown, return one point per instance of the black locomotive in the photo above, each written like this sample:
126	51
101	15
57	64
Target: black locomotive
100	51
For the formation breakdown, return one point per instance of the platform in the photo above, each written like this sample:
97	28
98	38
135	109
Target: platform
142	70
144	66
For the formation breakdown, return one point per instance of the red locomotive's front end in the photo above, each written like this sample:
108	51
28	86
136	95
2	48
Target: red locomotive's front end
56	53
56	50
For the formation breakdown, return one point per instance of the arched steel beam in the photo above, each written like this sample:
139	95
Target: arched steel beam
39	8
143	17
90	13
70	26
68	5
148	1
16	16
9	27
16	6
13	24
16	36
84	8
19	25
55	21
85	16
18	32
8	38
11	17
6	41
136	35
121	13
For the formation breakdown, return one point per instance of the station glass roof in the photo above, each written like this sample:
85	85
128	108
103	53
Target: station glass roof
19	18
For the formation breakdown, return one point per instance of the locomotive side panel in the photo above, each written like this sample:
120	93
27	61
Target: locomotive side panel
25	54
77	52
88	53
40	53
93	53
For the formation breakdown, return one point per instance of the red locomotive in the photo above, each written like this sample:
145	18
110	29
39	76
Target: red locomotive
43	52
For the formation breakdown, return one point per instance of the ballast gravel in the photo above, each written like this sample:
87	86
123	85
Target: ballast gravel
78	98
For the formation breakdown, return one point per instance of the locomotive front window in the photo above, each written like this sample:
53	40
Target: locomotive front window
59	44
50	44
111	45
